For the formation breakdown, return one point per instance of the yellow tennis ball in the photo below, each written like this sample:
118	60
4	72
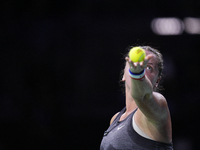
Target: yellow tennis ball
137	54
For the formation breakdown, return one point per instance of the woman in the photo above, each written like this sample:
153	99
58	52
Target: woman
145	122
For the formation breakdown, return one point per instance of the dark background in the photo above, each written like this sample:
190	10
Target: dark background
60	69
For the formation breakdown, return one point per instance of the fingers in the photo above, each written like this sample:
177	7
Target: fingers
146	60
137	64
131	64
135	67
149	57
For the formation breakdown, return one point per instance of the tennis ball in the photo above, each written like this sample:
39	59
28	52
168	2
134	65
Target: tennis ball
137	54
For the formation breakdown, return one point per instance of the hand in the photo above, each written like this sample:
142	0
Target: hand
138	66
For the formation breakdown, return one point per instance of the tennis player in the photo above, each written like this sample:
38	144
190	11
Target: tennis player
145	122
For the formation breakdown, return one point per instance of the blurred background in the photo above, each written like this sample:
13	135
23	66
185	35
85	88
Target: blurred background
61	62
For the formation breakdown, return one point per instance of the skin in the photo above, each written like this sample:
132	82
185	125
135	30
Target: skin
152	116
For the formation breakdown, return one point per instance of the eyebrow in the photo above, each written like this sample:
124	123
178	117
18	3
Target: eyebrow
154	66
150	64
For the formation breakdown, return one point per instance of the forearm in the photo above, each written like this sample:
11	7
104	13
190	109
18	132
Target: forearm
141	89
151	104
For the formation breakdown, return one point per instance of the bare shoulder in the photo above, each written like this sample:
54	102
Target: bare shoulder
155	109
113	118
154	119
162	111
160	99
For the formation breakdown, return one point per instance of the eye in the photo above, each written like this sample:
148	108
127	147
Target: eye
149	68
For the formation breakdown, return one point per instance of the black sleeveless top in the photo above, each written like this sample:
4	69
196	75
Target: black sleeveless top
121	136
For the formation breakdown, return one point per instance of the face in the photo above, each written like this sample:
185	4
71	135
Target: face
151	71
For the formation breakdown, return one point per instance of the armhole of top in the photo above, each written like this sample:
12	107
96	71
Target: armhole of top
138	130
117	115
114	118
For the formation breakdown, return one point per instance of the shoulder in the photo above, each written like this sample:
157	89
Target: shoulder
162	110
155	108
160	100
113	118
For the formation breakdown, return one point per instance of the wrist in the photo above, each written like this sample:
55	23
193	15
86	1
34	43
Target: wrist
137	76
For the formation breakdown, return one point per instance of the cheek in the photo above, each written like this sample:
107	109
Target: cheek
126	74
127	77
126	71
151	76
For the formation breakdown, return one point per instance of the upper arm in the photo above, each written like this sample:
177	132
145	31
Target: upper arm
154	107
113	118
152	104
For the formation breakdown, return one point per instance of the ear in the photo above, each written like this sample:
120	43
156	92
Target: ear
158	81
123	78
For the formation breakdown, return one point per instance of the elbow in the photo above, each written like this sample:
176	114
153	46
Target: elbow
148	96
141	97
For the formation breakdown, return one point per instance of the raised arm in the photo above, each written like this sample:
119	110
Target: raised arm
152	104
